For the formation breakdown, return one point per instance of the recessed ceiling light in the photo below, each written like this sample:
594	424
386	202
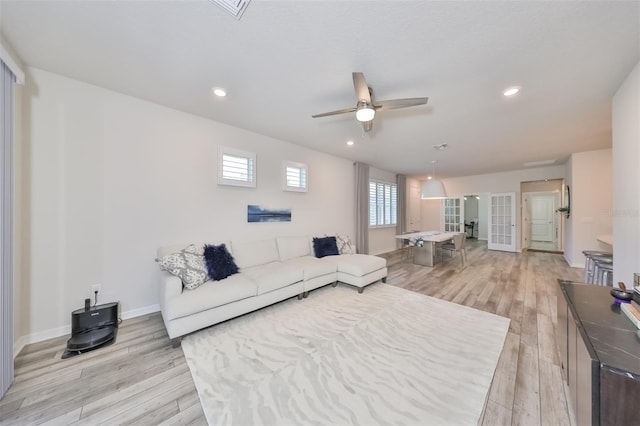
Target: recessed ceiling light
218	91
350	143
511	91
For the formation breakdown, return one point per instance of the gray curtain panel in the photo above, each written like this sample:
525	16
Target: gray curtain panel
6	227
401	224
362	207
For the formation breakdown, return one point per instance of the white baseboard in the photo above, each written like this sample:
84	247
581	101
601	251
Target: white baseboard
65	330
18	346
140	312
573	265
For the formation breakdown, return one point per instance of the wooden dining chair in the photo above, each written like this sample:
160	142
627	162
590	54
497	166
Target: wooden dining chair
456	246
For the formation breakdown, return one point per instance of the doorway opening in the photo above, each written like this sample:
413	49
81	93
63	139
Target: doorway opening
542	228
471	215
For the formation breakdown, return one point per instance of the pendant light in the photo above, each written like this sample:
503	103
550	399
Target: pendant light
433	189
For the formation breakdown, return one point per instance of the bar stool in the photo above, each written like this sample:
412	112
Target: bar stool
589	257
602	271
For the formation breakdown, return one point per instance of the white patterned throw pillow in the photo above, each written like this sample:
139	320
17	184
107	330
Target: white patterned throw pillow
188	265
344	245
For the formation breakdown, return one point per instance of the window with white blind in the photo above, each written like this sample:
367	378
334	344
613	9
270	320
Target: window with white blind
383	203
237	168
295	177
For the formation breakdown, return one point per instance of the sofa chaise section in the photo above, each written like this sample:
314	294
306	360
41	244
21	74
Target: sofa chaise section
359	270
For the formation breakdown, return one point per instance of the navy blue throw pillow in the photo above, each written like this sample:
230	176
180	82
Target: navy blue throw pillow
219	262
325	246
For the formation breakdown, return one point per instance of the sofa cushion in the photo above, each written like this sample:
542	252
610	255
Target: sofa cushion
290	247
210	295
325	246
357	264
219	262
187	264
312	267
254	253
344	245
273	276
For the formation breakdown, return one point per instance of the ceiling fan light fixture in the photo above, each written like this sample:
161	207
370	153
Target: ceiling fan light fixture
365	112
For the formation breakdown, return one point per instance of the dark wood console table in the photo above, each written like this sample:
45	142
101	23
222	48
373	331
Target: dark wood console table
599	351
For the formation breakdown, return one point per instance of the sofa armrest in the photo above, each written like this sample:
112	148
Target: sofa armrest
170	287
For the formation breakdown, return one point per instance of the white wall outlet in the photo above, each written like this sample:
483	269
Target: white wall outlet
96	287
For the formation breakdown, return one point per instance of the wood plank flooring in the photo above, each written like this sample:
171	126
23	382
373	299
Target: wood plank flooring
141	379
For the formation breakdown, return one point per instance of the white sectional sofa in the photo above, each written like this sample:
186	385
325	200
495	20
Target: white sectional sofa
271	270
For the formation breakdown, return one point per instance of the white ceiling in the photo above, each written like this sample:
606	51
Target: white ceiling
286	60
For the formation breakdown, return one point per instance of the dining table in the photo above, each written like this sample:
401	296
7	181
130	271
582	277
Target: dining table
425	254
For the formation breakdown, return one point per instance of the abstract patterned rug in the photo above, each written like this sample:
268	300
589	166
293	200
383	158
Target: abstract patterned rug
387	356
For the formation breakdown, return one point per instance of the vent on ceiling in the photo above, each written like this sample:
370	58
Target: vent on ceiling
539	163
234	7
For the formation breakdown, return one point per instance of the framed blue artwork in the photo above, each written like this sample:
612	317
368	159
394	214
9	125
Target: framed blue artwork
262	214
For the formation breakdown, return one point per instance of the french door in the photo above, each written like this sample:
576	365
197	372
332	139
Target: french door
502	222
452	219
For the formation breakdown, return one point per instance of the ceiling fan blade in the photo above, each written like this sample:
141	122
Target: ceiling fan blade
367	125
400	103
340	111
360	85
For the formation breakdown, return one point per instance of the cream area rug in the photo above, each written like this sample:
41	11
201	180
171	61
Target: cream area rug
386	356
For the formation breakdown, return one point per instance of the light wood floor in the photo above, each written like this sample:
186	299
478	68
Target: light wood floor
141	379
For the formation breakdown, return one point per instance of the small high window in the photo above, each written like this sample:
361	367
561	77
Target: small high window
295	177
237	168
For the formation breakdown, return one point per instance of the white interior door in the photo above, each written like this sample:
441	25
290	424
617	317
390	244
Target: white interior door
502	222
542	218
452	214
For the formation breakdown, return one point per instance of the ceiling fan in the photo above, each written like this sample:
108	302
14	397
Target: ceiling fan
366	107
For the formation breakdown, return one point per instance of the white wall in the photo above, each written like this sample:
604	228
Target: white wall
590	180
626	178
430	214
489	183
382	239
568	223
109	178
414	192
